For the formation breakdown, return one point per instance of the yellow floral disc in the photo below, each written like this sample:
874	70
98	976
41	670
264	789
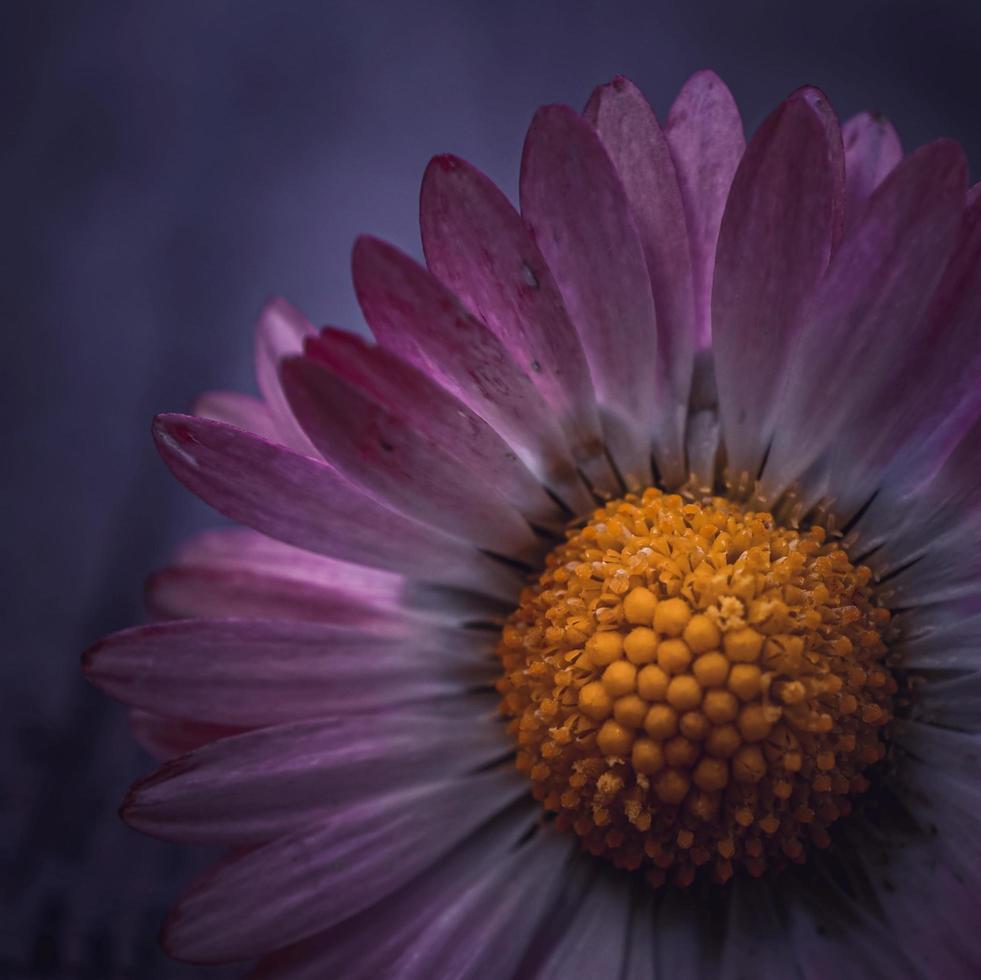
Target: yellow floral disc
691	685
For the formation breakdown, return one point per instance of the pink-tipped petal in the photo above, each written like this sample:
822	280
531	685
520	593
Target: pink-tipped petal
577	209
781	220
239	549
705	133
436	415
400	466
164	738
872	300
304	502
258	785
872	150
280	333
894	444
189	593
633	138
250	673
478	245
412	314
218	574
304	883
242	411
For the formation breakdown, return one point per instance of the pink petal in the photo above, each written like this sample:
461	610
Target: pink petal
705	134
239	559
366	945
188	593
488	923
781	220
418	319
933	553
357	949
938	368
872	299
163	738
242	411
241	549
872	149
262	784
578	212
250	673
307	882
436	415
478	245
640	153
304	502
401	467
280	333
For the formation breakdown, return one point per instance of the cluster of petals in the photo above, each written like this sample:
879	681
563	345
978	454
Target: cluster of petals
791	321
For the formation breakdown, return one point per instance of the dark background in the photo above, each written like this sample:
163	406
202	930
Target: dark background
164	167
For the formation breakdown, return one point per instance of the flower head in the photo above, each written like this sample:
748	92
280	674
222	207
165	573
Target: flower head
615	613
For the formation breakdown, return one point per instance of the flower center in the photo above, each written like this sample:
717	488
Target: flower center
691	685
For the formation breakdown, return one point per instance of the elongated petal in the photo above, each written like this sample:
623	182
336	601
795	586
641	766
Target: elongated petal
906	440
358	950
872	150
705	133
400	466
478	245
280	333
577	208
164	738
874	294
641	958
263	672
911	879
235	572
957	647
953	703
595	939
304	502
298	885
242	411
633	138
436	415
757	942
416	317
261	784
346	589
781	219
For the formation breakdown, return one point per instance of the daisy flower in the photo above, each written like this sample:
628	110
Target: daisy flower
616	613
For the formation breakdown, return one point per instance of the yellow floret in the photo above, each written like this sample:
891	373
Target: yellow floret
619	678
701	634
630	710
661	721
743	645
673	656
640	645
672	616
639	606
647	756
711	669
614	739
594	702
652	683
684	692
605	647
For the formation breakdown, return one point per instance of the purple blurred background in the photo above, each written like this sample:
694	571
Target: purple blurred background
165	167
